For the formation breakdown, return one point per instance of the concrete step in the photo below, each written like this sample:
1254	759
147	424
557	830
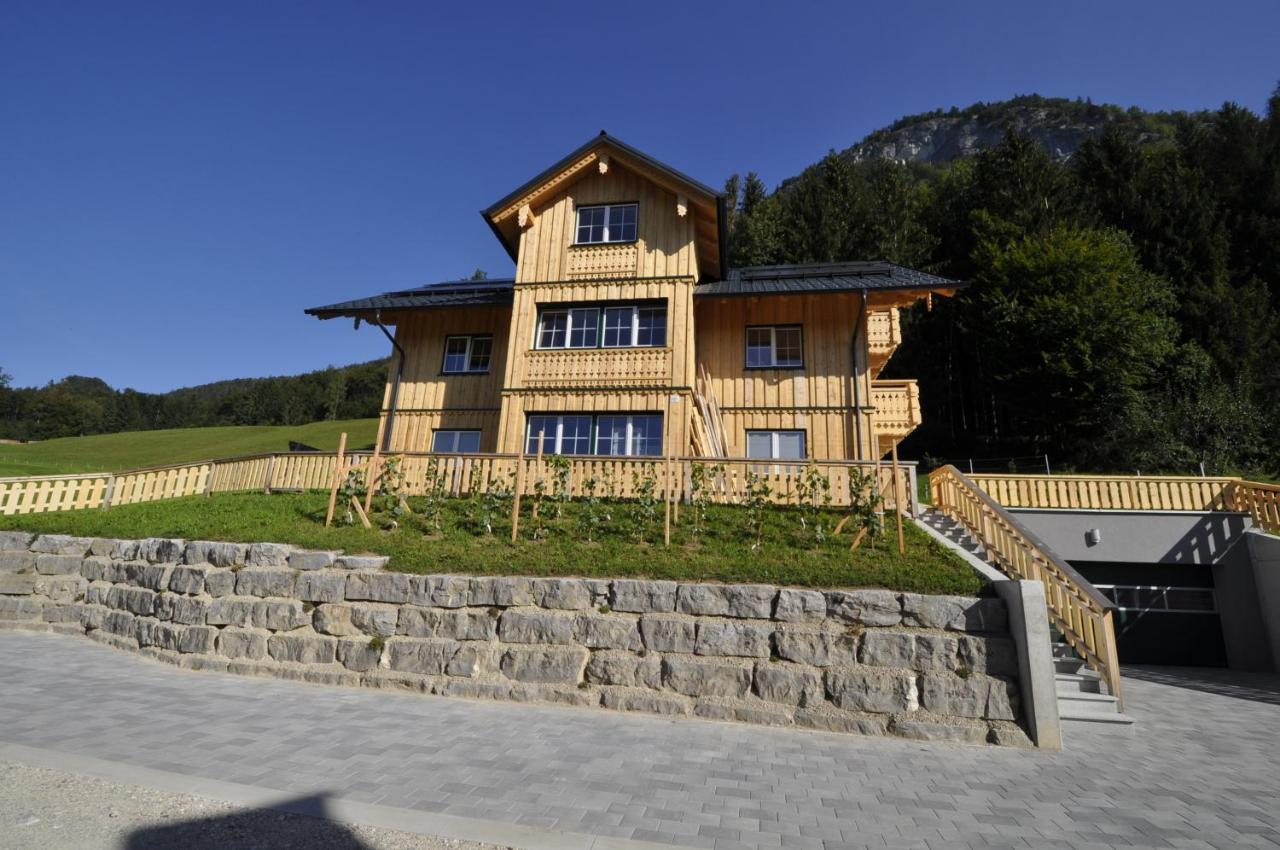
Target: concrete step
1077	683
1082	702
1111	724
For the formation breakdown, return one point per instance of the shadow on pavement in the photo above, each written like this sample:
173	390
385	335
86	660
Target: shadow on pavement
1257	687
300	823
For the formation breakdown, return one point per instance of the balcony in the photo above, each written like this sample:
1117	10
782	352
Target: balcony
597	367
884	335
591	261
897	410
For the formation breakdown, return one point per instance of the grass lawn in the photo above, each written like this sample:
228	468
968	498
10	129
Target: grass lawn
134	449
788	555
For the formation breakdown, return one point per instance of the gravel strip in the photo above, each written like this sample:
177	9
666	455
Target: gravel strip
46	809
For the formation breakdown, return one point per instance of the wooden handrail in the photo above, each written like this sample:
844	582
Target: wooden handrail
1080	612
1262	501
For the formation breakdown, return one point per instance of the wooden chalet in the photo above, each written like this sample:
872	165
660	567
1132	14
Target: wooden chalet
623	332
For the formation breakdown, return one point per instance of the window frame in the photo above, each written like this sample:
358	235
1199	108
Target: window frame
555	443
470	338
773	346
457	433
773	443
601	309
577	227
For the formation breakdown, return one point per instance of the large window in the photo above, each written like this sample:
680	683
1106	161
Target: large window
776	445
606	223
771	347
467	354
614	326
622	434
455	442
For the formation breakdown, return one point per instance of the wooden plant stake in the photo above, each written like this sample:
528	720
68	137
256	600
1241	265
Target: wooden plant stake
371	480
841	524
515	502
897	499
542	436
666	522
857	539
337	473
364	518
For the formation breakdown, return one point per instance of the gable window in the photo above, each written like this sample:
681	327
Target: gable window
615	326
606	223
464	354
455	442
775	346
775	445
617	434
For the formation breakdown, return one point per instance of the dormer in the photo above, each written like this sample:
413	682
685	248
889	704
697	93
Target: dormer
606	211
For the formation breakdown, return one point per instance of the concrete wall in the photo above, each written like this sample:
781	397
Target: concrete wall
866	661
1255	568
1140	537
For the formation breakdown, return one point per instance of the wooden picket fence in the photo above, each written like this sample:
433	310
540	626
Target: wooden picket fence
297	471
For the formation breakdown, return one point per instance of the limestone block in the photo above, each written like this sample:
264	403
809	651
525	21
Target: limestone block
159	550
117	623
510	591
300	559
361	562
187	610
563	694
440	591
566	594
334	619
19	608
375	618
800	606
865	607
125	550
730	710
920	729
187	579
218	583
747	640
636	699
612	668
96	593
93	616
100	546
408	655
727	600
266	582
12	584
16	562
1006	734
135	600
459	624
151	632
551	664
230	611
197	639
532	625
356	654
61	544
216	553
472	689
14	540
150	576
472	659
969	696
879	691
698	678
643	597
957	613
242	643
280	615
302	648
818	649
62	613
322	586
996	656
60	588
924	652
378	587
95	567
607	631
787	683
268	555
601	589
58	565
668	634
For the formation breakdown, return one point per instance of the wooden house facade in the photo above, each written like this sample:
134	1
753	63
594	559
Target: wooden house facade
623	332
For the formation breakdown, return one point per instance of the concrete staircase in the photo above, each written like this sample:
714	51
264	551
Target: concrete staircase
1082	698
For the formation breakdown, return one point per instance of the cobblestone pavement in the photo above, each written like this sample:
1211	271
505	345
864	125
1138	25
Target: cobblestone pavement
1200	770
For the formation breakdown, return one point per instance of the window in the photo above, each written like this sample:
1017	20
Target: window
606	223
615	326
1176	600
776	445
775	347
455	442
619	434
467	354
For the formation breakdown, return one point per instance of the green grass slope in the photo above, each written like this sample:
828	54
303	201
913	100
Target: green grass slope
134	449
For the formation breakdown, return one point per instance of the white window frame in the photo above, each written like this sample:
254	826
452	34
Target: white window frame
600	311
774	442
773	347
634	341
470	338
608	208
456	434
629	442
554	442
568	312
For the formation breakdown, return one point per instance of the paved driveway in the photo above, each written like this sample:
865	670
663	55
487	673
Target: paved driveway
1201	770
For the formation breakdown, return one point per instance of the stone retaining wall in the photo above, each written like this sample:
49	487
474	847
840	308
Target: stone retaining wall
868	661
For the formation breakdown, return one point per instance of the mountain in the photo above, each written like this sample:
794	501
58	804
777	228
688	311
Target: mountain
1058	124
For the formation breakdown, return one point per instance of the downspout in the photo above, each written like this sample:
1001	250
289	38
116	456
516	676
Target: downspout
395	383
857	404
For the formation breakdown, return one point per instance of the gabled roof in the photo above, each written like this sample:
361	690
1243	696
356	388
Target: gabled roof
449	293
708	203
825	277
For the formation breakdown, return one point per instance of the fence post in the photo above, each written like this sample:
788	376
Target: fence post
208	484
266	478
515	501
110	491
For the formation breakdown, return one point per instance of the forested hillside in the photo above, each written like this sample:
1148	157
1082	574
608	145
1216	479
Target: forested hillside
77	406
1122	312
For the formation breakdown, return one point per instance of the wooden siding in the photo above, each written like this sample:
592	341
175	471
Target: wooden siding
664	246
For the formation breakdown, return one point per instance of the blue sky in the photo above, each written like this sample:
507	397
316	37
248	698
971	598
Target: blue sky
178	180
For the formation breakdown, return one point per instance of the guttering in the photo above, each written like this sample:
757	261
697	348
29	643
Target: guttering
857	405
395	384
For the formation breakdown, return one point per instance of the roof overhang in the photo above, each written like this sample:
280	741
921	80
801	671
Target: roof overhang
884	284
450	294
504	215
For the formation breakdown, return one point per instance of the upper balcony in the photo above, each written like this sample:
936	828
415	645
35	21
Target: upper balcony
596	367
897	410
884	335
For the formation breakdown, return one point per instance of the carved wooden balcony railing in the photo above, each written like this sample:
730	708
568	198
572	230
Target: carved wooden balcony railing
884	335
597	367
897	410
